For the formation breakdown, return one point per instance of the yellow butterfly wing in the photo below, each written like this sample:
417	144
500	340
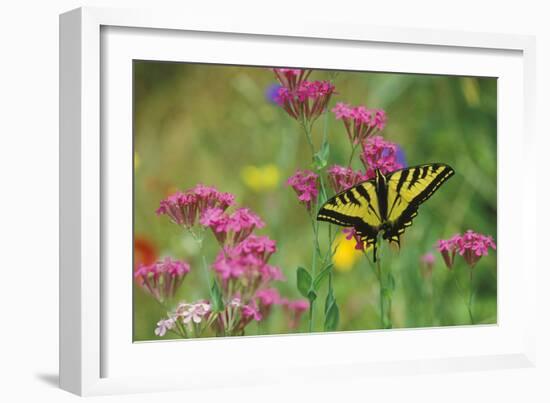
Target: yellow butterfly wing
407	189
356	207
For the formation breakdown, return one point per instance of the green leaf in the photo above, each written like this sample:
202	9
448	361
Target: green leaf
321	276
386	292
216	297
320	159
332	317
304	281
329	301
311	296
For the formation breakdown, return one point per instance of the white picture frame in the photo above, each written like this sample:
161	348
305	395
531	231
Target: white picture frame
96	354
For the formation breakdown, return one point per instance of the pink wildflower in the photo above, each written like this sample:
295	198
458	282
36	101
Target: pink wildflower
231	229
352	234
359	121
244	268
380	154
295	310
304	184
250	312
258	245
471	246
426	264
342	178
291	78
266	299
307	100
162	279
184	208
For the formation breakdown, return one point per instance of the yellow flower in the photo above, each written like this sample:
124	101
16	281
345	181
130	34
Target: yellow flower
346	255
137	160
261	178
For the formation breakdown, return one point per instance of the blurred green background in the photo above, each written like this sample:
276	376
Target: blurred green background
216	125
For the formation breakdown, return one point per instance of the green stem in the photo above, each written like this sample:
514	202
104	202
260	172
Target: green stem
381	292
313	274
354	147
384	281
470	299
307	130
205	268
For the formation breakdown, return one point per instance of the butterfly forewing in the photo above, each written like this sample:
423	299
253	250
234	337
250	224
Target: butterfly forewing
407	189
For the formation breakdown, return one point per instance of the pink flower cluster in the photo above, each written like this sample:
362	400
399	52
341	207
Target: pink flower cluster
162	279
342	178
304	184
359	121
184	208
379	154
294	310
230	229
266	299
305	101
291	78
247	265
471	246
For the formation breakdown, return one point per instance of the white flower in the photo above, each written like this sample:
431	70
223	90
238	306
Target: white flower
235	302
163	326
193	312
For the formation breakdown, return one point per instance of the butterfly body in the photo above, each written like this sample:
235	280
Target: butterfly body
386	204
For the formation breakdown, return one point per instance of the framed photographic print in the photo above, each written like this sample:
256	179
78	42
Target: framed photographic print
230	191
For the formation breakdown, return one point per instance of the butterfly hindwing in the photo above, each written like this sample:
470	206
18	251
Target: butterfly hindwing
356	207
407	189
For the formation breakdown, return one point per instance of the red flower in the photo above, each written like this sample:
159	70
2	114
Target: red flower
145	251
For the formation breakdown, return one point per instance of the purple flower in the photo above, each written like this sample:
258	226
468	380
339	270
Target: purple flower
272	93
162	279
400	156
342	178
360	122
184	208
379	154
304	184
